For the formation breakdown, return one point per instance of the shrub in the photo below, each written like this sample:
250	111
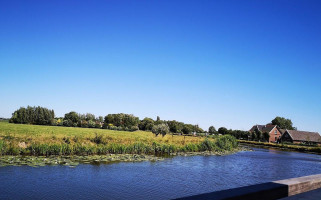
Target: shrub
84	124
67	123
226	142
97	125
91	124
134	128
160	129
98	139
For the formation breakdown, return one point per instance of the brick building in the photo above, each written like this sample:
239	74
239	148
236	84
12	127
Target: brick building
273	130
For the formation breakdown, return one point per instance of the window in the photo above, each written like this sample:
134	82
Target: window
275	132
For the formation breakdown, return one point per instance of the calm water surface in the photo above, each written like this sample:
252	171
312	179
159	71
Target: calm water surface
171	178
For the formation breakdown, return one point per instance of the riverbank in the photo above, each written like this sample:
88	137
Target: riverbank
35	140
299	148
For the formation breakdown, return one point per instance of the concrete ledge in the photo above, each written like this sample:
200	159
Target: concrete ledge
266	191
301	184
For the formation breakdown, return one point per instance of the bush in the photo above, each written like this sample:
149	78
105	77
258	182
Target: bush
97	125
84	124
134	128
98	139
226	142
160	129
91	124
67	123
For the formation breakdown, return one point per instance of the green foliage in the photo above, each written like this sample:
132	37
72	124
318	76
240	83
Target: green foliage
91	124
226	142
98	139
68	123
122	120
33	115
211	130
146	124
188	129
72	116
98	124
266	136
175	126
3	147
283	123
253	136
90	117
223	130
162	129
259	135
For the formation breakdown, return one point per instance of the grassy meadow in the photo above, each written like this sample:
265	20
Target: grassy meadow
24	139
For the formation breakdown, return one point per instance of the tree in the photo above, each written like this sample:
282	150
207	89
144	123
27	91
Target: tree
33	115
72	116
197	129
223	130
188	128
90	116
211	130
160	129
100	119
146	124
122	120
253	136
266	136
283	123
158	118
175	126
259	135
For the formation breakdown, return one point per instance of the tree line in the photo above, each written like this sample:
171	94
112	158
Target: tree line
122	122
128	122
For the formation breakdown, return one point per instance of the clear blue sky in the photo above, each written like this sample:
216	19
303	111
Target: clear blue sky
222	63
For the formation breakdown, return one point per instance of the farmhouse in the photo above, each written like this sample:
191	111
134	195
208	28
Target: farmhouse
273	130
299	137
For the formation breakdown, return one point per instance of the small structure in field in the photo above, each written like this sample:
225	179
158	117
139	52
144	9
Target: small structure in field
301	137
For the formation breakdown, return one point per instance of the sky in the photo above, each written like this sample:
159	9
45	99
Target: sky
226	63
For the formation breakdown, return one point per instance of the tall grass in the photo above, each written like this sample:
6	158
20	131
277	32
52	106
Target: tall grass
46	141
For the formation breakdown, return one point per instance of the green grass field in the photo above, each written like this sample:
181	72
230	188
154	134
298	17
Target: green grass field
27	139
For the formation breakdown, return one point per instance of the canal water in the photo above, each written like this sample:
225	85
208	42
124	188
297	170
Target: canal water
172	178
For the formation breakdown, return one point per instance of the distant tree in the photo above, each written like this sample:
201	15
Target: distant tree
33	115
283	123
211	130
101	119
253	136
162	129
223	131
146	124
72	116
91	124
266	136
188	129
67	123
158	118
122	120
90	116
175	126
259	135
198	129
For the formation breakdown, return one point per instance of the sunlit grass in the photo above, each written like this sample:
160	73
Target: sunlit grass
23	139
55	134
